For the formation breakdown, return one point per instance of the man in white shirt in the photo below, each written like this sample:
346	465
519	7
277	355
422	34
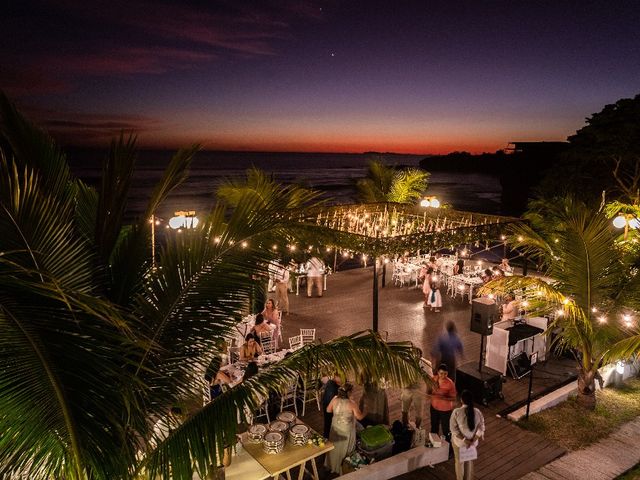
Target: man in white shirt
509	307
282	289
315	271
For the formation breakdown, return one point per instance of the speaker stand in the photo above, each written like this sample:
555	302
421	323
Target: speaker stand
481	353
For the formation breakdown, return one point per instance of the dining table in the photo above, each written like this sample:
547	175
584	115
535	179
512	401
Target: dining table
292	456
470	282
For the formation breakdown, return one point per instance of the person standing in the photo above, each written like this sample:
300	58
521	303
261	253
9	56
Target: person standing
412	395
426	286
433	295
330	391
343	428
315	271
447	348
282	289
505	267
442	402
467	428
509	307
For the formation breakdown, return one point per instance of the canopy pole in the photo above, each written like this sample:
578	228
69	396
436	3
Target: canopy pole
375	295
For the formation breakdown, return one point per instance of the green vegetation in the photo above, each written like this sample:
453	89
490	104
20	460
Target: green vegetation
387	184
569	426
595	284
98	341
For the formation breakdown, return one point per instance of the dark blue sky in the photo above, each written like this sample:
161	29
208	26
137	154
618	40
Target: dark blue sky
407	76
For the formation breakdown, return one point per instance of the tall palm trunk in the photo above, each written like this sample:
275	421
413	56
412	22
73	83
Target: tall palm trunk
587	388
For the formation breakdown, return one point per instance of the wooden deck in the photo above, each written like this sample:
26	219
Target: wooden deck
507	452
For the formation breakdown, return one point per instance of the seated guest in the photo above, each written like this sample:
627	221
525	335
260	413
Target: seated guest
505	267
458	268
509	307
216	387
486	276
272	317
260	327
251	349
252	369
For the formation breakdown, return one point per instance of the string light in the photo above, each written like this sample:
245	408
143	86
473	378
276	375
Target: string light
602	319
594	309
560	312
216	240
244	244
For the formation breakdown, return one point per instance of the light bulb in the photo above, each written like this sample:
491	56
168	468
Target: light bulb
619	221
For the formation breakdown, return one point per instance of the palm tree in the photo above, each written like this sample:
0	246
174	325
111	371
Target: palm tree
96	343
263	187
592	284
386	184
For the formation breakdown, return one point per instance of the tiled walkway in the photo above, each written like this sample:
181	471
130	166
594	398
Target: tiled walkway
604	460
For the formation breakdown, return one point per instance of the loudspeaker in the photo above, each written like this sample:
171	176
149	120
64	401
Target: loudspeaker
484	313
485	385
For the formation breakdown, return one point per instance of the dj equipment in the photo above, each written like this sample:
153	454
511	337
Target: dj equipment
484	313
485	385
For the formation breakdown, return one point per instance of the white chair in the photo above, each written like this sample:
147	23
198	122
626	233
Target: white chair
206	393
234	354
295	342
311	390
289	396
308	335
268	345
280	323
263	411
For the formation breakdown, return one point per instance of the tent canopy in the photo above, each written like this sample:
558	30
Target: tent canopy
392	228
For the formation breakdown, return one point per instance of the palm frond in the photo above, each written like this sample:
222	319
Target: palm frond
408	186
33	147
61	371
117	173
205	433
130	257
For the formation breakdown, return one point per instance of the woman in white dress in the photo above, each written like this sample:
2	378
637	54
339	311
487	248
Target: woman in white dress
343	428
467	428
431	289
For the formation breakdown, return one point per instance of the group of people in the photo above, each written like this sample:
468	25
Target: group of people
431	284
281	279
462	427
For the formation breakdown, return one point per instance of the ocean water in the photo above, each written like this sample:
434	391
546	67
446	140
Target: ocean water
332	174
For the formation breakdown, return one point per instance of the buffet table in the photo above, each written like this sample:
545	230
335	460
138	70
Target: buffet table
282	463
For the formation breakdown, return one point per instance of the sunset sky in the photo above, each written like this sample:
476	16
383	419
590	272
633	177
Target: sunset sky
336	76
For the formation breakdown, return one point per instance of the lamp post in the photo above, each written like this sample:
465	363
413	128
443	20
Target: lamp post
154	221
430	201
184	219
626	221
